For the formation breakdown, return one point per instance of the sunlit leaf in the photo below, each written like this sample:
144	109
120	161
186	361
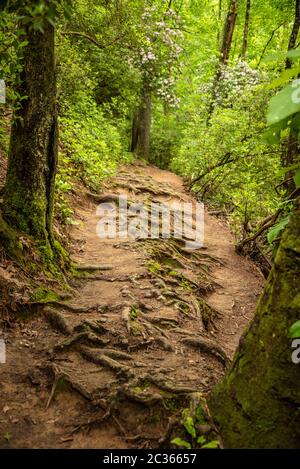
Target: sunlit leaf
276	230
294	331
181	443
285	103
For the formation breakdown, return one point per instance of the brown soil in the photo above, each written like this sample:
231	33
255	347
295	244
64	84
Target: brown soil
114	366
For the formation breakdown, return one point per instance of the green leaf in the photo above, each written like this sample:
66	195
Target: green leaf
285	77
285	103
297	179
294	331
293	54
211	445
190	427
275	230
201	440
181	443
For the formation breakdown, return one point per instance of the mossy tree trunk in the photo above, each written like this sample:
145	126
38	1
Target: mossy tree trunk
29	187
291	156
258	403
140	141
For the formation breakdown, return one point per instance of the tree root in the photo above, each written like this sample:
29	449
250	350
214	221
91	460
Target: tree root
62	376
94	268
57	321
126	317
168	386
140	345
101	359
145	397
165	344
94	422
81	337
96	326
106	198
207	346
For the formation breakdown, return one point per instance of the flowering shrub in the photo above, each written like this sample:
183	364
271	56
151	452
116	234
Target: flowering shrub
159	55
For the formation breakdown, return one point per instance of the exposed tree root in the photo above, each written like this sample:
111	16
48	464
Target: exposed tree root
90	423
145	397
96	326
107	198
94	268
160	381
141	345
101	359
57	321
207	346
61	376
82	337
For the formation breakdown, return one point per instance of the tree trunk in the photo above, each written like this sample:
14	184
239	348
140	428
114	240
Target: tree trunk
219	22
257	404
293	150
140	141
246	30
294	33
225	48
228	32
29	187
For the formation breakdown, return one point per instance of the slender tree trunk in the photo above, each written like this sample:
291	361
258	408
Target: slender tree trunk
140	141
268	43
257	404
293	150
294	33
225	48
246	30
219	22
228	31
29	188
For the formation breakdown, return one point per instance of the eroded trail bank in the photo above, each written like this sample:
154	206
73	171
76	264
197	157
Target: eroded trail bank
146	335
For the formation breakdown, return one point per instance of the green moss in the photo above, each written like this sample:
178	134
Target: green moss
43	295
257	404
134	313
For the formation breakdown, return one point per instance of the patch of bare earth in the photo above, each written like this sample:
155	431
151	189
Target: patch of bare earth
149	331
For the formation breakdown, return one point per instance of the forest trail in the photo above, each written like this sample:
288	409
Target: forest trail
114	366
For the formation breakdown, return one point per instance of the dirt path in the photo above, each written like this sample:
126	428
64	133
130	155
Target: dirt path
141	340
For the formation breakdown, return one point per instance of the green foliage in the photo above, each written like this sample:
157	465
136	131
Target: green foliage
284	104
275	231
181	443
294	331
189	437
189	426
234	158
91	142
43	295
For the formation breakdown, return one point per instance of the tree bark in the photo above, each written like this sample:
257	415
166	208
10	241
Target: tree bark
293	149
141	126
225	48
294	33
257	404
29	187
246	30
228	31
219	22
